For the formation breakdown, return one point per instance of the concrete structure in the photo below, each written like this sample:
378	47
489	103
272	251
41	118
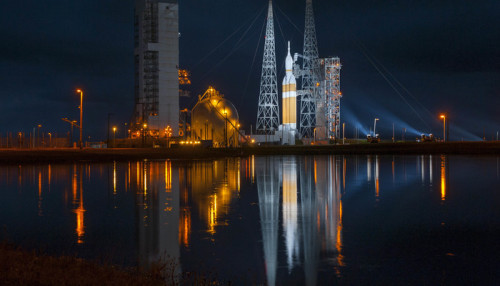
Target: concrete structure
156	67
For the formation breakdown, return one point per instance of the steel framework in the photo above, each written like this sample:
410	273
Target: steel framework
268	111
330	91
309	75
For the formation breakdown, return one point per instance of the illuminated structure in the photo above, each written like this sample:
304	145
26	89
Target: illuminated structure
215	118
329	95
156	60
309	75
320	93
268	110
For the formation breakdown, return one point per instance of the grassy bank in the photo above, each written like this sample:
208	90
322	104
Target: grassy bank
20	267
18	156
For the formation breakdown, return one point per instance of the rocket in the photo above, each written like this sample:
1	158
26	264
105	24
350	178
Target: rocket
289	95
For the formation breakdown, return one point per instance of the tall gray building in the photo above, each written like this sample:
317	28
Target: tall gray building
156	67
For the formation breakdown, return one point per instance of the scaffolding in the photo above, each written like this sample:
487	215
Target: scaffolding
330	94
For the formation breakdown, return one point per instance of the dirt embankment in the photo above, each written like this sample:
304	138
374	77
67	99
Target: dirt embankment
34	156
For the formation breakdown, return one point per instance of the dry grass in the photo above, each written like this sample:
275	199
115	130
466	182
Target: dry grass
20	267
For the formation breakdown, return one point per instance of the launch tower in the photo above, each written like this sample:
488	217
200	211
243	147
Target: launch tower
268	110
309	76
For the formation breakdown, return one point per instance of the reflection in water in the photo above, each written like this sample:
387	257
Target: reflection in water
369	168
180	206
393	172
290	210
79	210
253	169
320	212
114	177
422	168
268	181
344	170
214	185
443	177
430	170
40	212
377	182
158	211
310	219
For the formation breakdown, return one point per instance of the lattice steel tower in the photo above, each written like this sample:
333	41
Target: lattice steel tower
268	112
309	76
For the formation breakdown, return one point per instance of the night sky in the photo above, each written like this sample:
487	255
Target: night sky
404	62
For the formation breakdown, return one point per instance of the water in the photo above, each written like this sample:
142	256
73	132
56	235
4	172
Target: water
313	220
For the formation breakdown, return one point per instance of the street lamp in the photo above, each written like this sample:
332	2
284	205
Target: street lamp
375	126
225	128
444	127
238	125
343	133
39	139
81	115
114	135
144	126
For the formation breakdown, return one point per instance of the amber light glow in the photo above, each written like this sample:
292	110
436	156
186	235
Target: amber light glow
443	178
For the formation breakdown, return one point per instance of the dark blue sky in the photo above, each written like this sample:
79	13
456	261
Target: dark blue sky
444	54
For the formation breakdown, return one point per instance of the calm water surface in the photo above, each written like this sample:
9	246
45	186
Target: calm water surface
294	220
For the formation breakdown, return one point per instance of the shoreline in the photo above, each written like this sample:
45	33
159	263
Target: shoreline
68	155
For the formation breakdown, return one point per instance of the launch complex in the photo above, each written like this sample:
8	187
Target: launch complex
309	113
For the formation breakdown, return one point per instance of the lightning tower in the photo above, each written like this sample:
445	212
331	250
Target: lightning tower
309	75
268	111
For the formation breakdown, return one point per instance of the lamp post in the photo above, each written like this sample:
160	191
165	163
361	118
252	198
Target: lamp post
375	126
81	115
114	136
39	139
238	125
343	133
225	128
444	127
144	126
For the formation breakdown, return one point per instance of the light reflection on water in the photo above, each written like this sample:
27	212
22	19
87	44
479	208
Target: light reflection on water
265	219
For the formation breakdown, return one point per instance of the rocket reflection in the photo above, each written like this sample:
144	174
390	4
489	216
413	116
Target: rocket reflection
315	223
290	210
268	181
